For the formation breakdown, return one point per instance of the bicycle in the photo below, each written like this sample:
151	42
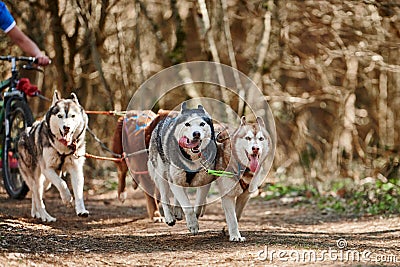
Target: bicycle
15	116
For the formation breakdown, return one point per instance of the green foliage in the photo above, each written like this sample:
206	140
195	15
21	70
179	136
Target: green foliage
110	185
276	191
370	197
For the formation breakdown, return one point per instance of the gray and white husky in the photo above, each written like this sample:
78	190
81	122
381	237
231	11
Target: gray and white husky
53	145
241	154
180	149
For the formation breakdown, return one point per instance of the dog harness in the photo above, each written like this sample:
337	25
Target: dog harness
241	181
190	174
72	147
243	184
62	159
159	128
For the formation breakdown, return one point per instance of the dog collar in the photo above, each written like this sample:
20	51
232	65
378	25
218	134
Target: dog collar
185	154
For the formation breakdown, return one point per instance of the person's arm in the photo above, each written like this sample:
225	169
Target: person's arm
27	45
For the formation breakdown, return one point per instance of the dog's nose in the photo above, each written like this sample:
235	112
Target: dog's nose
255	149
66	128
196	134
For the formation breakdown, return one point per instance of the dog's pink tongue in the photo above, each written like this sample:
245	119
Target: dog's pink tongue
184	142
253	163
65	140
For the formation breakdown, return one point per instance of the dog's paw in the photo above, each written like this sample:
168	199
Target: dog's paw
178	213
192	224
237	239
194	229
68	201
81	211
49	219
122	197
170	222
169	217
158	219
83	214
44	216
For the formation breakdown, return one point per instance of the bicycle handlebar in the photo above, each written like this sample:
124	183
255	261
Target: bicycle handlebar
26	59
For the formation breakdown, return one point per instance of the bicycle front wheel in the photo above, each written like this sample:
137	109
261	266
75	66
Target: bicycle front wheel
19	117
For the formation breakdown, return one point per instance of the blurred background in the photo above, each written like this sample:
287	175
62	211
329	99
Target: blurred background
329	69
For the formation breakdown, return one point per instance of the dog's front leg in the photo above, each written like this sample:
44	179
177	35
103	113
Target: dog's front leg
191	220
228	204
163	187
38	207
201	196
60	184
241	202
178	212
77	181
164	195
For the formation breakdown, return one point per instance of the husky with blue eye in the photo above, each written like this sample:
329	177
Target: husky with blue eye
53	145
242	154
181	149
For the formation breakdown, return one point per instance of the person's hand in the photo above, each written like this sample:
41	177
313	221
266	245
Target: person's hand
43	60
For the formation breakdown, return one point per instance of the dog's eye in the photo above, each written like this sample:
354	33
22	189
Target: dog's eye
248	138
73	116
187	124
59	115
202	124
261	138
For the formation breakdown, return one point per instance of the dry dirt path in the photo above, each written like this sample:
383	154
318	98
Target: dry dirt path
118	234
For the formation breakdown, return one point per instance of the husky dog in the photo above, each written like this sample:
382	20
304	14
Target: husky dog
180	148
243	155
53	145
138	126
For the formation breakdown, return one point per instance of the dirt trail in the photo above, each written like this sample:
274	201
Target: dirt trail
117	234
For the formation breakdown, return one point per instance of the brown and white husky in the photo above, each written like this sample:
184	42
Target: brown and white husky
241	154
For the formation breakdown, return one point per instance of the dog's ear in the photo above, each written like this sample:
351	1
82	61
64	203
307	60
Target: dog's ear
209	121
223	136
183	107
52	111
201	109
75	98
243	121
260	122
56	97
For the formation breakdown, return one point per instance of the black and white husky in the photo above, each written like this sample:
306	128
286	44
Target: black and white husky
53	145
180	150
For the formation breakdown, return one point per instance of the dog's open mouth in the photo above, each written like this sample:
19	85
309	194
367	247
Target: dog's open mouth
253	161
66	137
193	145
196	149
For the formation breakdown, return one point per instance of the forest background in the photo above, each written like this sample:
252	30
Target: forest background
329	70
